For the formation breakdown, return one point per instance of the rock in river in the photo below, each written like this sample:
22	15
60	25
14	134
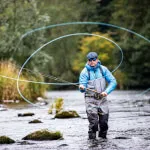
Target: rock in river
25	114
43	135
6	140
67	114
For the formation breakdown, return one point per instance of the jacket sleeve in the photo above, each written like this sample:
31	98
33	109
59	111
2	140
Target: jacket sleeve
83	79
112	83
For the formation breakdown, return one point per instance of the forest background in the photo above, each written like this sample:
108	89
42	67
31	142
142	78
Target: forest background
66	58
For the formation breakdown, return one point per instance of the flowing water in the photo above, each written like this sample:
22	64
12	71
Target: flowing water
129	124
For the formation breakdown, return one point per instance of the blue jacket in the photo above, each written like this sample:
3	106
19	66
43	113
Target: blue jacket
95	73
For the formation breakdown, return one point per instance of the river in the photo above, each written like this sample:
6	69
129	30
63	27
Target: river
129	123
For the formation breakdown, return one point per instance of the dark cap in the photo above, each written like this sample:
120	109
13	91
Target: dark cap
91	55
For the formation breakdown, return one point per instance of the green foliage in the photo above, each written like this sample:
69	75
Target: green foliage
64	51
37	90
121	79
103	47
16	18
136	62
43	135
57	106
50	111
6	140
8	88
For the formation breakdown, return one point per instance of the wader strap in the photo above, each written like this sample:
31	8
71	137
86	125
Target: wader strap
88	73
101	71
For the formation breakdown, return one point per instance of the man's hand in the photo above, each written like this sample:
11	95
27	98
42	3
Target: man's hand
81	87
103	94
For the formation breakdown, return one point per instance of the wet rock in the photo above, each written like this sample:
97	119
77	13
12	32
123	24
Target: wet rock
42	103
147	138
122	137
6	140
3	108
25	143
40	99
63	145
67	114
43	135
25	114
11	101
35	121
144	114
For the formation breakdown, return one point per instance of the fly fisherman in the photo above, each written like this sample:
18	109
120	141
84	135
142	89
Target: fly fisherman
92	82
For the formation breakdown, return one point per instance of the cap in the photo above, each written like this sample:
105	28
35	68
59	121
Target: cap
92	55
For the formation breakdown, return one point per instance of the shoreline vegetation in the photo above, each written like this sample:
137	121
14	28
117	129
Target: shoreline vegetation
8	87
57	109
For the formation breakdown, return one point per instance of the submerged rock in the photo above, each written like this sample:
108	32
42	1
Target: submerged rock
43	135
6	140
35	121
67	114
122	137
25	114
24	143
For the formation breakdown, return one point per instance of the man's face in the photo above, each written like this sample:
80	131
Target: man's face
93	62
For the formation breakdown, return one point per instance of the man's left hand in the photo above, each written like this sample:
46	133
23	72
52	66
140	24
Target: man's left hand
104	94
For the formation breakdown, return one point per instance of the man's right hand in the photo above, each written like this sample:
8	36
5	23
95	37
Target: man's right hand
81	87
103	94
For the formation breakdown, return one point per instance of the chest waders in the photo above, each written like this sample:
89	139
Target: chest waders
97	108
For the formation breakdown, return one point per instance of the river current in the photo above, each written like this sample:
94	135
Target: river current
129	123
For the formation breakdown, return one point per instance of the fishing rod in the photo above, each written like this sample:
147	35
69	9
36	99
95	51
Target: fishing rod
59	79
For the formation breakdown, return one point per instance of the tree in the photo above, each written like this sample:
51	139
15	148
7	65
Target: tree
105	49
134	15
64	51
16	18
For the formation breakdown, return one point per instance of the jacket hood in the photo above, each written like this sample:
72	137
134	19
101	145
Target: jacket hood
93	68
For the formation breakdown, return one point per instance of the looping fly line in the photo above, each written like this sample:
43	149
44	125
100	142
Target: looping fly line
61	37
66	24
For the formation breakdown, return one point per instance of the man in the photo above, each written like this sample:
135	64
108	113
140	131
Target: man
92	82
